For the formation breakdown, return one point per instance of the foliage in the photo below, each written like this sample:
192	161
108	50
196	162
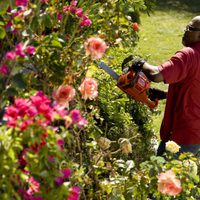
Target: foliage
57	139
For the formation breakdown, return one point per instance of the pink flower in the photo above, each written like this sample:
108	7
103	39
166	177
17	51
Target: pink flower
51	159
85	21
66	8
4	69
59	16
45	1
74	193
66	173
24	125
168	184
82	122
88	88
79	12
60	143
58	181
95	47
75	115
64	94
19	50
11	55
73	3
34	186
11	112
8	25
30	50
21	2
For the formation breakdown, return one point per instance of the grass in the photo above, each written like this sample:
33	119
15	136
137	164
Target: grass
160	36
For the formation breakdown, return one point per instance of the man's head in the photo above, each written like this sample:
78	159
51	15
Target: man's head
192	32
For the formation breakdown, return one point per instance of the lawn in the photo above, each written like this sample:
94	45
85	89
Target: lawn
160	36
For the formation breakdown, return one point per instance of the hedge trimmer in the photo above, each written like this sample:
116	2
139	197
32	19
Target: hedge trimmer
134	84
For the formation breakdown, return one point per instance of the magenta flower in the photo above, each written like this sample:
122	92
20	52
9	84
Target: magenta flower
4	69
51	159
79	12
30	50
66	8
58	181
8	25
59	16
11	55
85	21
11	112
34	186
19	50
74	193
21	2
60	143
75	115
74	3
24	125
66	173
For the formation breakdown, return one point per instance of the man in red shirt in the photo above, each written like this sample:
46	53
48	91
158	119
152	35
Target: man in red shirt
181	122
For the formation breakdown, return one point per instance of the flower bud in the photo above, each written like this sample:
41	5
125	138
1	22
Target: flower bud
104	143
125	146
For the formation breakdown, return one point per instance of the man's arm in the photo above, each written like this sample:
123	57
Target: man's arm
152	73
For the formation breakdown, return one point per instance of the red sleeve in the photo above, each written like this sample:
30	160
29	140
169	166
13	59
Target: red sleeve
178	67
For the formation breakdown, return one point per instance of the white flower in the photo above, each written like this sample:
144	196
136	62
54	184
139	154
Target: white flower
191	166
172	147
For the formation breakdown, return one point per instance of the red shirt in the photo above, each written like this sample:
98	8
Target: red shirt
181	122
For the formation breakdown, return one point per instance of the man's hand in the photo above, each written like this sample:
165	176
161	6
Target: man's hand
131	62
137	64
157	94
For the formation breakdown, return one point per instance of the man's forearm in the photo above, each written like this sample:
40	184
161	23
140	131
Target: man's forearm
152	73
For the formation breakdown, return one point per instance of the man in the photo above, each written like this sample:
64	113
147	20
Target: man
181	122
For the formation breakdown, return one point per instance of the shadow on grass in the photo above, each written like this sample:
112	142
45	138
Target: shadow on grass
192	6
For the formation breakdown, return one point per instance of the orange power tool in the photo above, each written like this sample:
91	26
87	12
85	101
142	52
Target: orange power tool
134	84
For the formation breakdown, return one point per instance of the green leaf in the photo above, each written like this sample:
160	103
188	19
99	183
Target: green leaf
2	33
3	6
11	92
19	81
11	154
35	24
46	21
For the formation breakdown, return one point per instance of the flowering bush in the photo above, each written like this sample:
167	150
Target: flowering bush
64	133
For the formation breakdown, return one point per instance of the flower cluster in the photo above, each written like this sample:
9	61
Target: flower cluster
66	93
33	187
37	109
84	20
20	50
64	174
